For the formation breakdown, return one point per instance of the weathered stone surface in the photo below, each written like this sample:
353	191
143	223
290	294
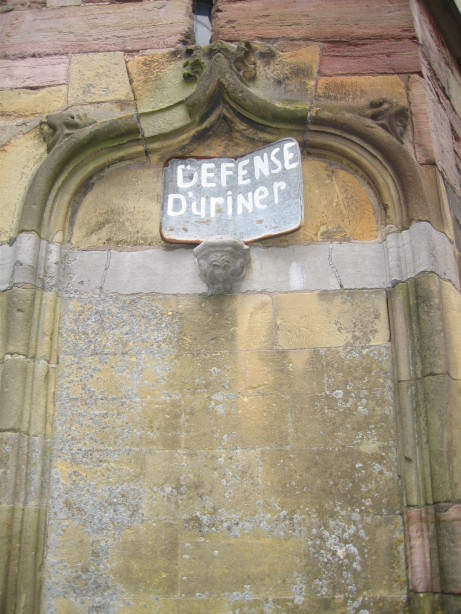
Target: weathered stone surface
435	51
227	421
370	58
96	377
134	567
119	325
157	80
438	306
318	480
34	72
98	77
20	310
337	205
443	404
115	27
10	461
207	372
352	415
442	134
228	484
351	553
19	161
417	96
288	76
449	536
109	215
12	392
33	103
326	320
244	323
191	374
349	21
281	372
361	90
421	543
264	565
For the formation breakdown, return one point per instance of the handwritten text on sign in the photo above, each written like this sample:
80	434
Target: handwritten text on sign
258	195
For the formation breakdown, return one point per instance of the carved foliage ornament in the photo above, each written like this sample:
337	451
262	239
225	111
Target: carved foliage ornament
57	127
221	261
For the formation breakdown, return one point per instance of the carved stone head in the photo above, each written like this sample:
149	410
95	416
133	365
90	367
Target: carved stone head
221	261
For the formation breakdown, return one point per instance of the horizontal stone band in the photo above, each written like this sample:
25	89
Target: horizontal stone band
319	266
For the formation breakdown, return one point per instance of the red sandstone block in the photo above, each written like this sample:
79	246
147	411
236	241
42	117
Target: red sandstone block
314	20
376	58
34	72
103	27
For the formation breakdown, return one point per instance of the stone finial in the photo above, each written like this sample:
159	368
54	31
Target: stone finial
221	261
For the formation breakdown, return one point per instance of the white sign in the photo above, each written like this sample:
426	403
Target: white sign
256	196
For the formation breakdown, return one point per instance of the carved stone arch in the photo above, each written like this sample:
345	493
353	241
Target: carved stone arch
366	139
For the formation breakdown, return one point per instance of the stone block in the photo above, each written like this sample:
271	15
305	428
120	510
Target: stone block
34	72
122	208
202	485
361	90
247	566
449	540
438	307
353	371
157	80
19	161
370	58
228	421
6	526
312	602
288	76
11	462
38	401
358	556
419	111
69	566
442	133
421	545
357	21
318	480
102	27
196	606
209	373
4	299
327	319
32	103
225	323
443	410
281	373
337	205
88	379
12	392
44	325
98	77
100	490
21	304
119	424
133	566
119	325
359	416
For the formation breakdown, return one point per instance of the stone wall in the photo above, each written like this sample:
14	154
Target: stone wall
292	446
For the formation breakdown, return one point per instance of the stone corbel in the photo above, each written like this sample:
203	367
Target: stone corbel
221	261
